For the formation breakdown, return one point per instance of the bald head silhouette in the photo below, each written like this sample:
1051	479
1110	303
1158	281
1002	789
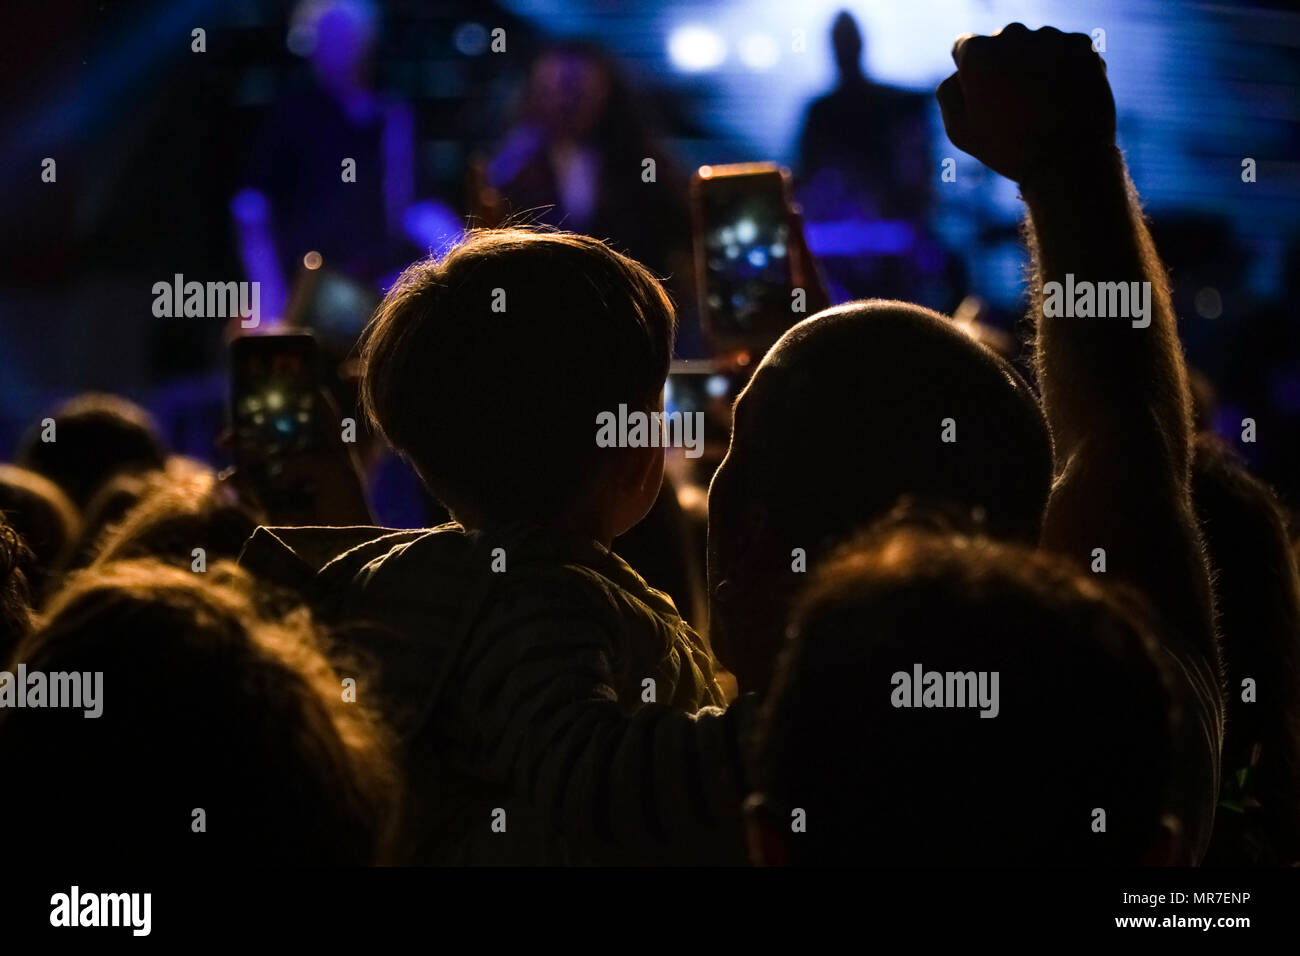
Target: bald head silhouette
851	412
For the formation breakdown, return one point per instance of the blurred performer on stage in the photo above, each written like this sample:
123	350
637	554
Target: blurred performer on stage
334	169
863	177
865	144
576	158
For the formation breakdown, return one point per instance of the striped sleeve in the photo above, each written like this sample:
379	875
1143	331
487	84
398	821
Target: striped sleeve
646	785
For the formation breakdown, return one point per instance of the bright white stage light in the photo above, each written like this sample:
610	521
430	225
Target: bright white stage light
693	49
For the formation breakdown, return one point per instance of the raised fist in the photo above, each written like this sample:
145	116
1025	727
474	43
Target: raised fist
1022	98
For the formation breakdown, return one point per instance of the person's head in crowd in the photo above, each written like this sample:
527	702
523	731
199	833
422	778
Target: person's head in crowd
181	509
128	492
1019	772
849	412
488	369
109	506
94	437
15	598
1257	600
216	736
44	517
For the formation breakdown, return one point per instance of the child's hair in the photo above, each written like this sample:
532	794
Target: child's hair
487	368
206	703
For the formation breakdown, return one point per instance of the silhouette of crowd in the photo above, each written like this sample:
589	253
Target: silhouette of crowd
940	607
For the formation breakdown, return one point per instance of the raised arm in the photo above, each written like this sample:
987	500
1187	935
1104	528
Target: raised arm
1036	107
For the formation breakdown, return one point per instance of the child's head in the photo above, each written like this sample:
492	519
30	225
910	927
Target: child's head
487	368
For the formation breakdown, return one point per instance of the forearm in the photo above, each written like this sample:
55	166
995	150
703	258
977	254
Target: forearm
1117	380
1036	107
1117	400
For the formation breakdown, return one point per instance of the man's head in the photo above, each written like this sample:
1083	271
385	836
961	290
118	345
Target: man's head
850	412
489	367
1045	742
93	438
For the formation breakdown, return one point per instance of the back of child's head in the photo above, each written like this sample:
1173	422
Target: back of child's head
487	368
94	437
205	705
1080	718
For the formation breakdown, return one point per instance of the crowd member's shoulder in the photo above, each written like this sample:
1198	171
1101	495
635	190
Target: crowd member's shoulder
1196	713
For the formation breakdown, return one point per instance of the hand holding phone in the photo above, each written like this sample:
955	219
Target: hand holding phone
290	458
755	275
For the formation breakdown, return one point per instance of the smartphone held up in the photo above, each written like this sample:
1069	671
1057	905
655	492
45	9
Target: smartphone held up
275	408
746	252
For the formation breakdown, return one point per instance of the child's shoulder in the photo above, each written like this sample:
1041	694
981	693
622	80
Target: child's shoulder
558	572
569	567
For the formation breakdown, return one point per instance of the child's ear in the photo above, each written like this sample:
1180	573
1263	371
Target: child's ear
633	469
649	470
634	481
